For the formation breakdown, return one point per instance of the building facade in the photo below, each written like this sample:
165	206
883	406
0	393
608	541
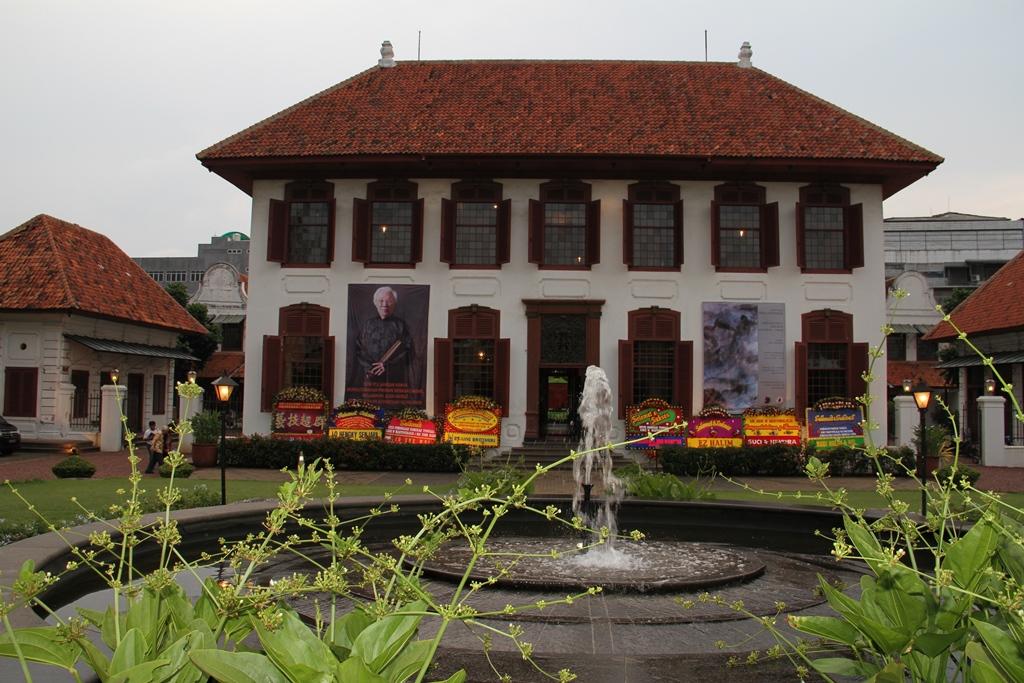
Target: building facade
430	230
73	310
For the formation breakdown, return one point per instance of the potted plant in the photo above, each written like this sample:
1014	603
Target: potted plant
205	431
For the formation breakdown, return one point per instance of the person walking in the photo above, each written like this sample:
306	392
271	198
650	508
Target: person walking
156	449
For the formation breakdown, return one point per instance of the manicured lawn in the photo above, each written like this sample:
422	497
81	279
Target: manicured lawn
52	498
859	499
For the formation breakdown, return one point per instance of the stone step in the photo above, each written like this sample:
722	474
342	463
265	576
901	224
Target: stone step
55	446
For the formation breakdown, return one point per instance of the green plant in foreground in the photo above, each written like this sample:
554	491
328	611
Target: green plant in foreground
943	599
206	427
157	633
662	486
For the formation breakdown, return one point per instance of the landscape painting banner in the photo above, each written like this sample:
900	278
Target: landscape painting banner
386	349
744	354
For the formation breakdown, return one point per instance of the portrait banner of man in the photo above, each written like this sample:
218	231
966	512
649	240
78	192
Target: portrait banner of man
386	353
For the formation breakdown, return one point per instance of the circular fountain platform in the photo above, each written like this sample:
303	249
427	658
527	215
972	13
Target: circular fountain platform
628	567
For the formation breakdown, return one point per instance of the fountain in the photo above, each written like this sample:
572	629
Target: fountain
765	557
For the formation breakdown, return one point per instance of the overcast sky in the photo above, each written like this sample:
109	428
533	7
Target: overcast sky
105	104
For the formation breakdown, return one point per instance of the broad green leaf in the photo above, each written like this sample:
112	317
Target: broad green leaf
41	645
1002	649
381	641
841	666
130	652
886	639
107	630
177	609
140	673
892	673
982	669
830	628
354	670
237	667
896	598
408	662
457	677
206	607
345	630
866	543
179	668
94	617
144	615
97	661
237	629
966	557
934	644
292	646
927	669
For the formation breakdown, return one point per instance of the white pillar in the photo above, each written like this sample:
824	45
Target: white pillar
991	421
961	403
907	419
187	409
65	399
110	418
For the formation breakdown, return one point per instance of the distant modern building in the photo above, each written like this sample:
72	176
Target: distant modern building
231	248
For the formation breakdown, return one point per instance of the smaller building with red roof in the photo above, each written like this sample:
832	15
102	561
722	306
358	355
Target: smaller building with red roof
73	309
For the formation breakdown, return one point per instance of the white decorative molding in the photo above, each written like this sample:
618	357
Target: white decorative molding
654	289
827	291
734	290
476	286
565	289
306	284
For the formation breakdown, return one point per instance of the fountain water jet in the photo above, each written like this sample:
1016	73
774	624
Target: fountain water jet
595	413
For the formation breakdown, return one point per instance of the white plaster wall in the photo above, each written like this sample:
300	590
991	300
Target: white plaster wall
271	286
55	356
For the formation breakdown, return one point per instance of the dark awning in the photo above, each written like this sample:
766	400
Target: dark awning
129	348
998	358
227	318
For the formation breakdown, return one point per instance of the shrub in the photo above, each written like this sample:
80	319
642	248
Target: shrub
262	451
74	467
775	461
206	427
661	486
183	471
502	479
958	475
200	496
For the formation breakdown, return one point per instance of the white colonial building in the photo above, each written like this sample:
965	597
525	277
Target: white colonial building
705	232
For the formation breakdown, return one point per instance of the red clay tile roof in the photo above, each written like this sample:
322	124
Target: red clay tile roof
996	306
50	264
675	109
230	363
899	370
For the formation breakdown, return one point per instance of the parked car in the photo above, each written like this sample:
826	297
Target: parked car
10	439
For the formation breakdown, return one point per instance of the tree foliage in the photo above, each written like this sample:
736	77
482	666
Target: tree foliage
199	345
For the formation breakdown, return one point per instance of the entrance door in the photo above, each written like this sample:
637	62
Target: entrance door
559	401
133	407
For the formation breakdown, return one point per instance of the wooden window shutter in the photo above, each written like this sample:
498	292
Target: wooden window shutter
328	370
770	234
20	391
502	359
857	362
485	323
800	379
331	205
536	246
801	257
505	231
625	375
682	385
271	372
666	325
442	374
715	248
360	230
593	232
853	224
643	326
277	231
463	325
678	228
447	231
417	231
627	232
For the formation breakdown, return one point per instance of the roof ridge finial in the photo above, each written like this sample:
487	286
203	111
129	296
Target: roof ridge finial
387	55
745	54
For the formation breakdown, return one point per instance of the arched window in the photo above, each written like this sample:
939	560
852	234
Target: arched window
829	231
828	361
653	362
472	359
301	354
475	227
744	229
652	227
300	229
387	226
565	226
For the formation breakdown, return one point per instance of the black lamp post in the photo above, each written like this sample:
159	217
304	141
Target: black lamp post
922	397
224	386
